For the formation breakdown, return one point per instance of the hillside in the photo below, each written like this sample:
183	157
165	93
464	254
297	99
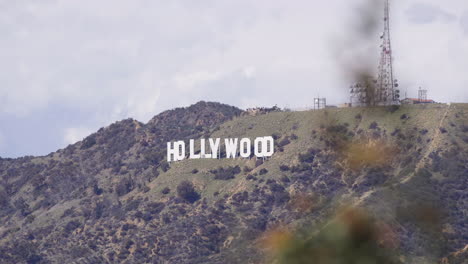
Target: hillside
112	198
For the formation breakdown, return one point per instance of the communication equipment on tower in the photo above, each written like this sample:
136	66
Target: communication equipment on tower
320	103
380	91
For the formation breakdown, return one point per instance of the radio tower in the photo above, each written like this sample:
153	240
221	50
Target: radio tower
386	93
380	91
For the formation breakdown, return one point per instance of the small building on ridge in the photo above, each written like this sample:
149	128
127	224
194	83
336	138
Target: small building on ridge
417	101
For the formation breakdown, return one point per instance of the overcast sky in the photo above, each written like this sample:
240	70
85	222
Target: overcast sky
69	67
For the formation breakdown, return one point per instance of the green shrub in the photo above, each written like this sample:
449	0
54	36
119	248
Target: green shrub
309	156
373	125
226	173
88	142
166	190
186	191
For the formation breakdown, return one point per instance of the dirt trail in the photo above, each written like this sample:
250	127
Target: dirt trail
435	143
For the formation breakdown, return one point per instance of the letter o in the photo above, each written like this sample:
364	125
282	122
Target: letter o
245	145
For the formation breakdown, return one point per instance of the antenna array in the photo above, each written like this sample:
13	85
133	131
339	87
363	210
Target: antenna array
380	91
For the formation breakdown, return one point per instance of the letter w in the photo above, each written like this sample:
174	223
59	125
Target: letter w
231	147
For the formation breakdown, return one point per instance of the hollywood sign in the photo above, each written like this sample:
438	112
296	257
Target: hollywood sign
263	147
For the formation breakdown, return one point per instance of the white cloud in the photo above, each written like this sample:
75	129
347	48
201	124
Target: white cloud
74	134
431	55
464	22
186	82
118	59
104	55
423	13
249	71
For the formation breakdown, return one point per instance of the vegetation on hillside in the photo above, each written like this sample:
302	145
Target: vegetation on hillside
112	198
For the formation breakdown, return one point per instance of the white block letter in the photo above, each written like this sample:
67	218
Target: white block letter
177	151
231	147
202	150
269	144
257	148
214	145
171	151
245	145
264	147
192	150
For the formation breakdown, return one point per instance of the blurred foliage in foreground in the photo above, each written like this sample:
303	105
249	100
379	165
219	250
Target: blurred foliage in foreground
352	237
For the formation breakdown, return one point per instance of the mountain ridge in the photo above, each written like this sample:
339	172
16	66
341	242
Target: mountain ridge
112	197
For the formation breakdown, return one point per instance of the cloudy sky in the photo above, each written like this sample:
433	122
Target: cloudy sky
69	67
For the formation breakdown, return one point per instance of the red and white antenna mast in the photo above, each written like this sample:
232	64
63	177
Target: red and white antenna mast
386	93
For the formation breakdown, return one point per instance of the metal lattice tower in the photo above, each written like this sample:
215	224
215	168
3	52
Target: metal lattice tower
320	103
381	91
422	94
385	91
